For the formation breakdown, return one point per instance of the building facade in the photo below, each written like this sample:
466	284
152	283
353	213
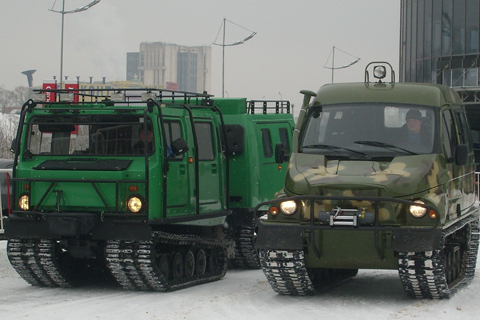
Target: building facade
439	43
171	66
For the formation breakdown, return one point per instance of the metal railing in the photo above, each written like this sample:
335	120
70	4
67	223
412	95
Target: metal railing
269	106
8	173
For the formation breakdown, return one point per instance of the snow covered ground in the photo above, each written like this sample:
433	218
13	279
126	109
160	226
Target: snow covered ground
373	294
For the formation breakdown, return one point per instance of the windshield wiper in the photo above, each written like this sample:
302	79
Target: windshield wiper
384	145
327	146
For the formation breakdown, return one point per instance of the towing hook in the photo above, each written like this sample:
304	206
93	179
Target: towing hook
59	194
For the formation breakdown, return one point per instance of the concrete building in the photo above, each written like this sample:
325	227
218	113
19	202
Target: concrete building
171	66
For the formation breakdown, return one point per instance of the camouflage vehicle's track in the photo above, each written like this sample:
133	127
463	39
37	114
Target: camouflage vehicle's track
435	274
439	274
286	272
246	255
167	262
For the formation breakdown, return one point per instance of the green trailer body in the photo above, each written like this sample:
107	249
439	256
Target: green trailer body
139	185
382	176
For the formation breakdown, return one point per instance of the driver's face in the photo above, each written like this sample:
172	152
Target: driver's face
147	136
414	125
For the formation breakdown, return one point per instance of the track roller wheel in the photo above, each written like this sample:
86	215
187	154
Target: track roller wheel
163	263
189	263
177	266
201	262
215	260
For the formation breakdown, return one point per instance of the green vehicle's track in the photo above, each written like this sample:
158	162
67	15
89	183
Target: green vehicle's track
440	273
136	265
142	265
246	256
36	261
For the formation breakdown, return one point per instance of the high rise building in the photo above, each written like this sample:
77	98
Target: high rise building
133	59
439	43
171	66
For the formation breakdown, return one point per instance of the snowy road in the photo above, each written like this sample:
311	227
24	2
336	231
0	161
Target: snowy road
240	295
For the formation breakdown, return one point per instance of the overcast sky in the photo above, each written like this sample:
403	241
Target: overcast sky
293	42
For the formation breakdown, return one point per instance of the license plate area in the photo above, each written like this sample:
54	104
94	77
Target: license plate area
346	217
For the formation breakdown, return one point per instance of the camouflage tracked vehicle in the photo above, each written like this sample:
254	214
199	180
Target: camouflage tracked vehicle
381	177
140	184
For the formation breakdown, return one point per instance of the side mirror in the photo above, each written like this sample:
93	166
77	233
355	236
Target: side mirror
280	155
461	155
179	147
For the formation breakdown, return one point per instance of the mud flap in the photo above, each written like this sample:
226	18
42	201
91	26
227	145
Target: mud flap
279	237
409	240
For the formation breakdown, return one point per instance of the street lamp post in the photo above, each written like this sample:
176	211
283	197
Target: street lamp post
332	54
223	45
63	12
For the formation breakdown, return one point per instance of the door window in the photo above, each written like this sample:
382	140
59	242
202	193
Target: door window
205	141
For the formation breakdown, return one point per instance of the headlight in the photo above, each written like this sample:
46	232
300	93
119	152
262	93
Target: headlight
134	204
417	211
23	202
288	207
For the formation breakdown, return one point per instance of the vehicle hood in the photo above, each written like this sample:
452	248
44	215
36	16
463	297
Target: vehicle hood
317	175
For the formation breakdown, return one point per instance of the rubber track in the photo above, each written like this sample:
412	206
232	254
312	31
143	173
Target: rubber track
423	273
246	256
36	262
286	272
132	263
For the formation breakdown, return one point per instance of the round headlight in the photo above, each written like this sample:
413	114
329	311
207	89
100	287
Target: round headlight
379	72
288	207
134	204
23	202
418	211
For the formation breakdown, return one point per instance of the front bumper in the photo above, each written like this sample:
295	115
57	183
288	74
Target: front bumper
92	226
297	236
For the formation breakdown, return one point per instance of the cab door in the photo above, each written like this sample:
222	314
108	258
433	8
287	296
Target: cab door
211	167
272	174
467	172
179	178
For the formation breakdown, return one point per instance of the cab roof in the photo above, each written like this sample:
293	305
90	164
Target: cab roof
405	93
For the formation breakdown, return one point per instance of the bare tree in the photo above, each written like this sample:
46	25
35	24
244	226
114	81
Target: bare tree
7	99
9	122
21	95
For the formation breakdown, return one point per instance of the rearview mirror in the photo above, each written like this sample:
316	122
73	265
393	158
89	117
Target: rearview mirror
179	147
280	155
461	155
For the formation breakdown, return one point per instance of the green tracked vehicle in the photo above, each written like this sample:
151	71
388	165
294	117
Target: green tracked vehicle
381	177
153	187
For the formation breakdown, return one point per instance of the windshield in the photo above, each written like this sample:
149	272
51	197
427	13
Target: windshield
89	135
369	130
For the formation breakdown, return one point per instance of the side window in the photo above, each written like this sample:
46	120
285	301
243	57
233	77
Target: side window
205	141
173	131
284	139
267	143
448	137
464	133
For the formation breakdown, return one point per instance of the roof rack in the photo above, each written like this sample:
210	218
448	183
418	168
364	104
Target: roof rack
268	106
126	96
